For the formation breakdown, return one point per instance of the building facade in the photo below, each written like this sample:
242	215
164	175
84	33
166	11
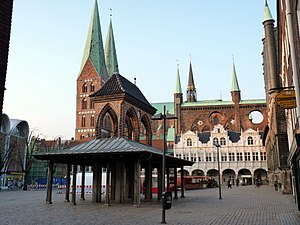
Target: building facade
241	155
288	21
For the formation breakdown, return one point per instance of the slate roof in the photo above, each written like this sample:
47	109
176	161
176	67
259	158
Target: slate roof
106	147
118	84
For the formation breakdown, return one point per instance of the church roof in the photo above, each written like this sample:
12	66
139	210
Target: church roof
160	107
118	84
110	52
220	102
94	46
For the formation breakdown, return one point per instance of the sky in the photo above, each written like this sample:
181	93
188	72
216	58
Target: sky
48	39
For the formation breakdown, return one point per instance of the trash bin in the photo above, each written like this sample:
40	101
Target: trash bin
166	200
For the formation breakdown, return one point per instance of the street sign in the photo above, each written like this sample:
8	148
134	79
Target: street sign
286	99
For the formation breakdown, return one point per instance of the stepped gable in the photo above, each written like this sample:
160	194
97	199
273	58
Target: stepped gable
118	84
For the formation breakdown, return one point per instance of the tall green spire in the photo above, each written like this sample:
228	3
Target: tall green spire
110	52
94	45
267	14
235	84
178	83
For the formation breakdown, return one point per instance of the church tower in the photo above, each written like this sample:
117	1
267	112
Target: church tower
191	93
177	103
92	76
110	52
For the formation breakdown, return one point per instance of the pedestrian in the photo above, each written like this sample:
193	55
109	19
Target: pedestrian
229	184
237	182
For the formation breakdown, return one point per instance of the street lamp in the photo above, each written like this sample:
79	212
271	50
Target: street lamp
163	117
218	153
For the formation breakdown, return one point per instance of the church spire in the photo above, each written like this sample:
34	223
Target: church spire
235	84
94	46
191	89
178	83
267	14
235	89
110	52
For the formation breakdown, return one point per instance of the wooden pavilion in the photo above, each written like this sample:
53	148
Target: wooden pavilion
123	160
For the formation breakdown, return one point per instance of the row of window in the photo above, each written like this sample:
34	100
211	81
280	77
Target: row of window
222	141
85	87
232	156
83	121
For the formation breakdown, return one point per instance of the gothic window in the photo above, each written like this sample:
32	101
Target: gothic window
92	120
92	104
222	141
84	103
83	121
81	136
215	141
92	87
250	140
189	142
84	88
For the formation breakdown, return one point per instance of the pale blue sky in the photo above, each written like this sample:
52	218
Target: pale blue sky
48	39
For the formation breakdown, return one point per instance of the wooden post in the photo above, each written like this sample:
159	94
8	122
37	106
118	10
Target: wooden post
137	177
182	182
107	194
67	196
175	184
49	183
82	182
74	184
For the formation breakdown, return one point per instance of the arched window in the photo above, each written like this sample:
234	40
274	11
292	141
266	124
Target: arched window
189	142
250	140
92	87
91	104
84	88
222	141
84	103
215	141
92	120
81	136
83	121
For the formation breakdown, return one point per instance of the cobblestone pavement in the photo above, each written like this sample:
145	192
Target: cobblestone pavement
239	205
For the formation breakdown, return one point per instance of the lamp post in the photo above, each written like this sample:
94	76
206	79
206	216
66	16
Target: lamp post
218	153
163	117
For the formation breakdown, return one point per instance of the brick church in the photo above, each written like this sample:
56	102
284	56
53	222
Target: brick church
100	63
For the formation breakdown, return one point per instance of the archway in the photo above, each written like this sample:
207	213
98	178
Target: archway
198	172
262	175
107	123
228	175
245	177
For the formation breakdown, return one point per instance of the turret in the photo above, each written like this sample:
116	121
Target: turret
191	93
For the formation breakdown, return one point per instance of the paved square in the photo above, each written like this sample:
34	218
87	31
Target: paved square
240	205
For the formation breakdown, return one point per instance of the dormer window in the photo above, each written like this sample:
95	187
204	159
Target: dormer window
250	140
189	142
222	141
215	141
